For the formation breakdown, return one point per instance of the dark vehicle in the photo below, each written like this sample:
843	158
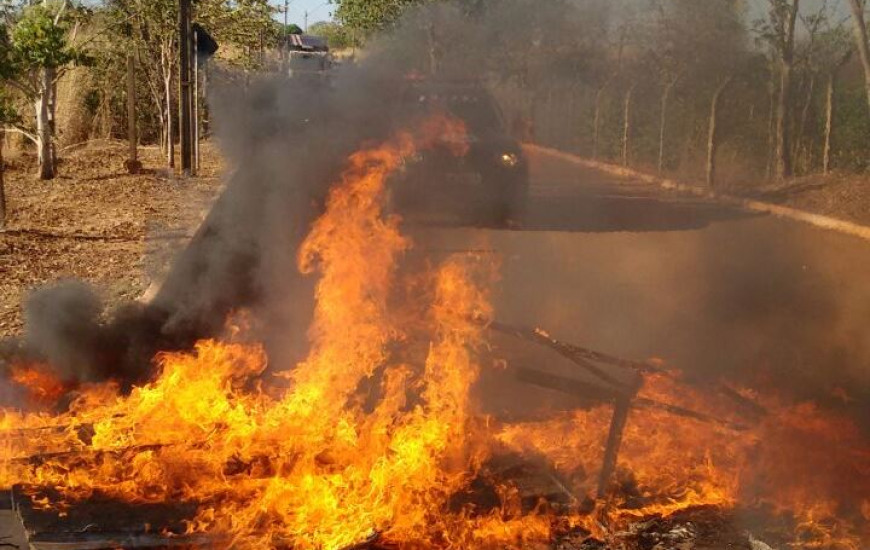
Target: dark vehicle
489	184
307	56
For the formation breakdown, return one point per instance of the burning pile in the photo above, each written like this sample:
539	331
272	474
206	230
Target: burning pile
374	435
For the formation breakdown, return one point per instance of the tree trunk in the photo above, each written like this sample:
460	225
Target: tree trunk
596	130
782	156
802	124
50	76
2	182
666	96
133	165
626	126
170	139
829	124
185	97
783	164
43	127
771	132
432	43
863	41
713	135
195	106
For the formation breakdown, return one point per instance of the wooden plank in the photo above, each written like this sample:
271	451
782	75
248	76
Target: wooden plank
614	441
108	541
575	352
12	534
101	522
592	394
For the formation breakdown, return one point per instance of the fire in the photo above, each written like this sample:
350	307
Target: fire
42	386
810	467
375	432
314	466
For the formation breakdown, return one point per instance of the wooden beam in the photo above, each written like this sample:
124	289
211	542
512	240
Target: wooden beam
614	441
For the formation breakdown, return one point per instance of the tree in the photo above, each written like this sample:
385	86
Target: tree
150	27
7	116
713	130
696	50
834	51
246	24
37	53
779	33
291	28
369	16
336	35
862	40
671	66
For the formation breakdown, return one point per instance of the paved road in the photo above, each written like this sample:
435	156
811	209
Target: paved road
629	270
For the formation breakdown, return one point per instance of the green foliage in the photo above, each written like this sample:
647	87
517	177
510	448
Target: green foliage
852	133
38	41
37	37
292	28
8	113
370	15
248	25
243	29
337	36
8	63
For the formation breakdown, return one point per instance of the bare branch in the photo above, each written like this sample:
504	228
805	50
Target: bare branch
60	12
22	87
14	128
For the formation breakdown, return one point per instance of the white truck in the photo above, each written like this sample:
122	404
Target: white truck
307	56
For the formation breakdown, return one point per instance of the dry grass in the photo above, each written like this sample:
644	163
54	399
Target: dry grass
843	196
97	223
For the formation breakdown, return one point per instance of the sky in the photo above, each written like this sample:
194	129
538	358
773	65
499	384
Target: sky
318	10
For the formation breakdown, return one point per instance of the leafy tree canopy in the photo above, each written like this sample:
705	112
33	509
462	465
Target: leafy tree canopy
8	114
370	15
336	35
38	38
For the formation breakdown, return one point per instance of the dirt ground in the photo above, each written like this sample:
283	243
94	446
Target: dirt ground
97	223
842	196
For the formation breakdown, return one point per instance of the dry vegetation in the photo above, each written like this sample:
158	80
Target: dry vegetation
844	196
97	223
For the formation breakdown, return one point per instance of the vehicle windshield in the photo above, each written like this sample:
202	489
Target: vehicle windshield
307	61
475	109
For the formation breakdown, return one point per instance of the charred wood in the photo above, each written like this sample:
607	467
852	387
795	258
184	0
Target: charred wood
593	394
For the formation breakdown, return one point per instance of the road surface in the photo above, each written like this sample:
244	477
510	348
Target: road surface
628	269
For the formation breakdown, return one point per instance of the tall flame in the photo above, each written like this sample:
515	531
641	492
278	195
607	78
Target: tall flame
374	433
316	466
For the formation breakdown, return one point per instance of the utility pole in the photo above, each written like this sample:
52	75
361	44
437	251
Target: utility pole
195	103
2	182
185	101
284	45
306	21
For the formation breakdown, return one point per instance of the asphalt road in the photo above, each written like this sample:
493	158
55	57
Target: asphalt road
634	271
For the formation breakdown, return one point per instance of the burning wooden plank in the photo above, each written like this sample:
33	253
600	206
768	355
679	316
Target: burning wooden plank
623	399
572	351
587	359
101	522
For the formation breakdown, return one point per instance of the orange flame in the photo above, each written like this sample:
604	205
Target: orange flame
377	430
42	386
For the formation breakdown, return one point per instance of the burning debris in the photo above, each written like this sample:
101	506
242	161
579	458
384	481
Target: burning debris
375	440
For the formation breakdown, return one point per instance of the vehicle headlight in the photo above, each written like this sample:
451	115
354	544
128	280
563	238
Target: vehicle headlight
509	159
